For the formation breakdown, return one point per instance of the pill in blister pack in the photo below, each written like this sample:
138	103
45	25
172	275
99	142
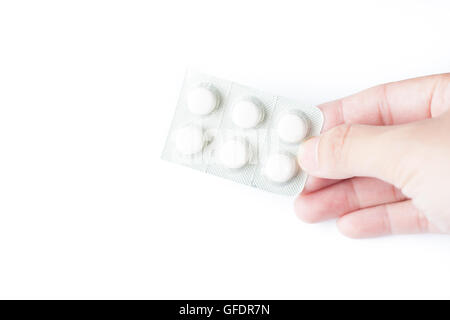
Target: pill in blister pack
239	133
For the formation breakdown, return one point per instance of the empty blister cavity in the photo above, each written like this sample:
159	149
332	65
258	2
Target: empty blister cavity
247	113
280	167
292	127
202	99
190	140
234	153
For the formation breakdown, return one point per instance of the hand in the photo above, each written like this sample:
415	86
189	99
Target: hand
385	154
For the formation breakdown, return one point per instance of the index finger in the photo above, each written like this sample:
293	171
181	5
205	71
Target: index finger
391	103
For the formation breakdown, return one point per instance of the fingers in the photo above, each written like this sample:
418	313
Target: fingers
366	140
395	218
391	103
344	197
358	150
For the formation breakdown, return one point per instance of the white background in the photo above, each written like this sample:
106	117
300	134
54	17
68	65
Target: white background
87	92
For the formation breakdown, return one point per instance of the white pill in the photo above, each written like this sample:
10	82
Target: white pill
247	114
280	168
234	153
190	140
292	128
202	100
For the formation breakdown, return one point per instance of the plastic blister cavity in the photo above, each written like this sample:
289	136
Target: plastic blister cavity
239	133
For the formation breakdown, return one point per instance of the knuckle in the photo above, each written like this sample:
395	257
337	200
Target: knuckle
334	146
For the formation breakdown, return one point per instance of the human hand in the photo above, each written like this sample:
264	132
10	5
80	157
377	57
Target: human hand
385	157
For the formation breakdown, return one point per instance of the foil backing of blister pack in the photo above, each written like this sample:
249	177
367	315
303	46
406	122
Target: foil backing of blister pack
218	127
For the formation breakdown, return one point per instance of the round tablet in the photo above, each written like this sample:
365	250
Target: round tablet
234	153
280	168
292	128
247	114
202	100
189	140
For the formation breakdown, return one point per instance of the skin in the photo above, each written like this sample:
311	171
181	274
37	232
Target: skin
382	164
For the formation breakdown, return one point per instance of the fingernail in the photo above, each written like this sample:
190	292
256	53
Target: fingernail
307	154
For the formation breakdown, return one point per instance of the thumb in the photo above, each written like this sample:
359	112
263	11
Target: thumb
359	150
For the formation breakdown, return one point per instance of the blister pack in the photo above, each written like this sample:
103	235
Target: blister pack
240	133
